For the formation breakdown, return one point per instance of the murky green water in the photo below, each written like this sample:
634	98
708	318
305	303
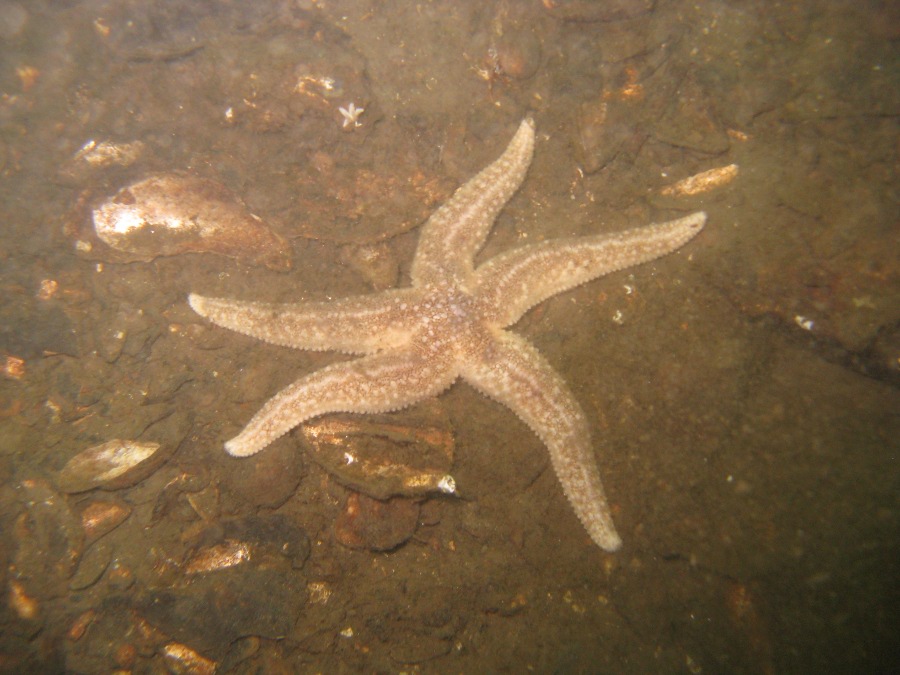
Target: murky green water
742	393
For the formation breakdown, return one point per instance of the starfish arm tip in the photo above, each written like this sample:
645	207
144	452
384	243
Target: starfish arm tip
196	302
526	126
236	448
611	543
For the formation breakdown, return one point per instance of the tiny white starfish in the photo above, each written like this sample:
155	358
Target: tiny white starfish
351	115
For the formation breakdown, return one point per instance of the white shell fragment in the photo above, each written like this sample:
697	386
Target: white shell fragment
94	157
171	213
219	557
703	181
447	485
108	153
111	465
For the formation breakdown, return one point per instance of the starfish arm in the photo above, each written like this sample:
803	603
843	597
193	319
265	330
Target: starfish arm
516	281
457	230
513	372
371	384
356	325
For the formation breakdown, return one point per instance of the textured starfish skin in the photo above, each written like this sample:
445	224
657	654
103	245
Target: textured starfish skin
449	324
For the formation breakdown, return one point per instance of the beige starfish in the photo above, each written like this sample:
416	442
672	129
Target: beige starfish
451	324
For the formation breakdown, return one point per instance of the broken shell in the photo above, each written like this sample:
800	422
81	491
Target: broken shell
112	465
702	182
182	659
80	625
234	541
25	606
107	153
101	517
13	367
218	557
319	592
168	214
94	156
385	456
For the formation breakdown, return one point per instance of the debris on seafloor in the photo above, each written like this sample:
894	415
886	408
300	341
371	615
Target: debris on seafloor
172	213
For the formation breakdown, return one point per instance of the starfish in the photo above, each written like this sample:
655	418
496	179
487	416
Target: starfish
451	324
351	115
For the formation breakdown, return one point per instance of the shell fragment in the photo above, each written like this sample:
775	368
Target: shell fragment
171	213
110	465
